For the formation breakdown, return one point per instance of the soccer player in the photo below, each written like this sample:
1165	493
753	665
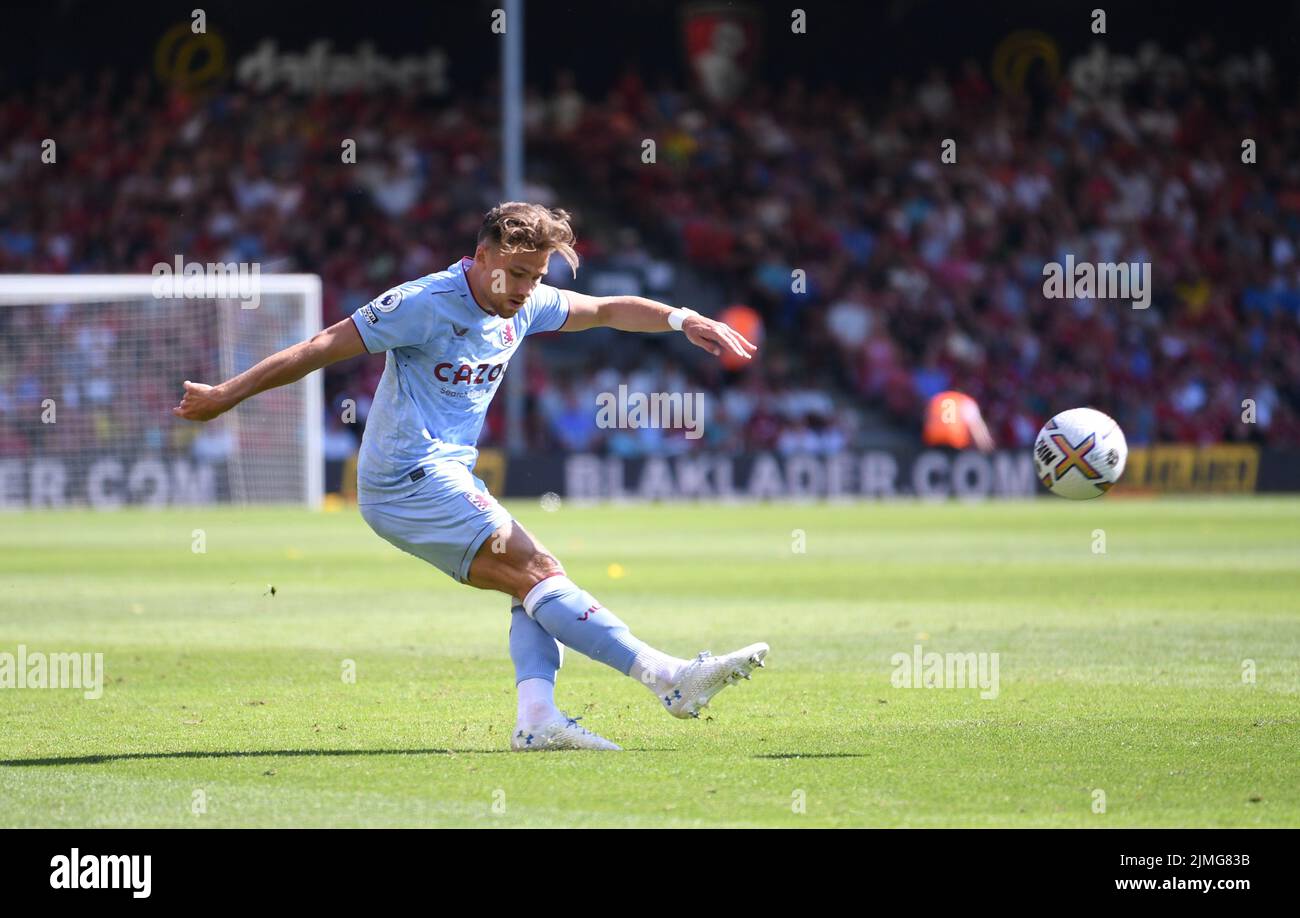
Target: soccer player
449	337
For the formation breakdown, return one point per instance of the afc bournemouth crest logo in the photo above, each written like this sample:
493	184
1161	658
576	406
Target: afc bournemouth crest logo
508	334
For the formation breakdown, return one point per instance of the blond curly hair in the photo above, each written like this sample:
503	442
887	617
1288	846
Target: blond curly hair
516	226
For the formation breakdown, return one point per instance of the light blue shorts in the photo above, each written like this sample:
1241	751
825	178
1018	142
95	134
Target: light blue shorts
444	523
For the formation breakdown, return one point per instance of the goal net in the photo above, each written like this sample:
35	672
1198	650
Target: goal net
91	366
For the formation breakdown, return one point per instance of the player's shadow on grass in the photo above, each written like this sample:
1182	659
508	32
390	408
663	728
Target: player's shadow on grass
242	754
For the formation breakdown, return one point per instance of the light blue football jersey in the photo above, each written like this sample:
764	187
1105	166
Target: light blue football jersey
446	357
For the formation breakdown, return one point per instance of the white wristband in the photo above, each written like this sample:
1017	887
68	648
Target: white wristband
678	316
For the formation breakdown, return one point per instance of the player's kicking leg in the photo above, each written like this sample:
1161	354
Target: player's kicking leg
513	562
446	522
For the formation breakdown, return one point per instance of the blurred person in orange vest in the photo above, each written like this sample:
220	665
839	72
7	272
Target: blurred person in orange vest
953	419
747	321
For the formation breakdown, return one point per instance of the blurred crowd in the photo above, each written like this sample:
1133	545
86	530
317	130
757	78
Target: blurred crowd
921	275
883	274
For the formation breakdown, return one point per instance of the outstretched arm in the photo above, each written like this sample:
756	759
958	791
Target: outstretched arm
338	342
637	314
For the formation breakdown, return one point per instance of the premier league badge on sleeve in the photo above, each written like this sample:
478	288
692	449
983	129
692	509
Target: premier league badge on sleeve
389	301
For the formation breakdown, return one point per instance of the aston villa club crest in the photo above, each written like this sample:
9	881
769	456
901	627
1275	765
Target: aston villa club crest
478	500
508	334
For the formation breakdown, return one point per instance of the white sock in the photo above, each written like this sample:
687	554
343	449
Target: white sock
537	701
655	669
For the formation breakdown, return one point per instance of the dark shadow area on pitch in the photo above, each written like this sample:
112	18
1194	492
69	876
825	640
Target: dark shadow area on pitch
250	754
812	755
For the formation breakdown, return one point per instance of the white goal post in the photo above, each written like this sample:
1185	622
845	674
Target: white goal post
92	364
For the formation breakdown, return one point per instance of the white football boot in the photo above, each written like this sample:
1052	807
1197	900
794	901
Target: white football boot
707	675
561	732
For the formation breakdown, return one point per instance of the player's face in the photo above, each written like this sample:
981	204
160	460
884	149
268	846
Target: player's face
511	279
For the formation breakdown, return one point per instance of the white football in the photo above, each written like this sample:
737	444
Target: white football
1080	453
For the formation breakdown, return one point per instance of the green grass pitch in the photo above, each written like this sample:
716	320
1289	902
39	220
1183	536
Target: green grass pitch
1120	672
